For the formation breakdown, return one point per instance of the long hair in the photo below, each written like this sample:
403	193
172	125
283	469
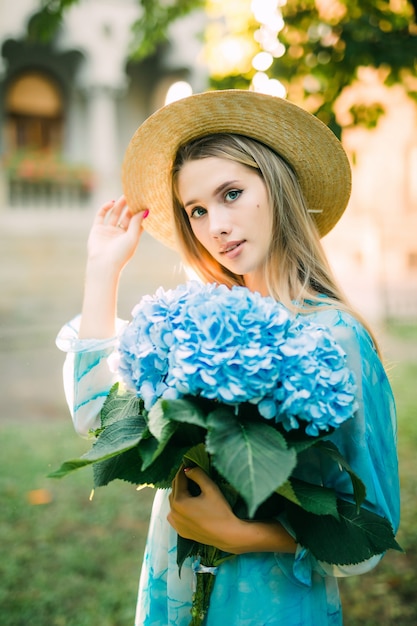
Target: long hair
297	272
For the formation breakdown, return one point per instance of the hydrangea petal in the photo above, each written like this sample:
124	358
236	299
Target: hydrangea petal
236	346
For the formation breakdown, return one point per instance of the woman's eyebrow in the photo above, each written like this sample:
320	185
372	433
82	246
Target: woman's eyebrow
218	190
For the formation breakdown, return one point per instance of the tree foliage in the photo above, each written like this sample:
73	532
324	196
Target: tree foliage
45	23
152	26
148	31
326	42
326	48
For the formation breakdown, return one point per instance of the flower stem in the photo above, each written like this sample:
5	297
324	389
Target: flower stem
205	568
201	598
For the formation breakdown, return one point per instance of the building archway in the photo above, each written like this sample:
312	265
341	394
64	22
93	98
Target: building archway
34	113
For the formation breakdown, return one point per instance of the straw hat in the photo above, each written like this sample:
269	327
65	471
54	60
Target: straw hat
313	151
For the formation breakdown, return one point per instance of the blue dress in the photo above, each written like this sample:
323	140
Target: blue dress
257	589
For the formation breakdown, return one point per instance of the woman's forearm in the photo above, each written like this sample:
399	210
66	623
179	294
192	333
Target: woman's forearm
99	310
260	536
112	242
208	518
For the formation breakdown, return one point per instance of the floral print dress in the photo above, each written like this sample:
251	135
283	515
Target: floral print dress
262	589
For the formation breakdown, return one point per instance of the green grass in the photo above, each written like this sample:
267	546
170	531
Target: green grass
402	330
387	595
72	562
76	562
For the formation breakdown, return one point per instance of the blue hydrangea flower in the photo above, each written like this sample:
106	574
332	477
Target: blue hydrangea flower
234	346
145	343
225	346
316	386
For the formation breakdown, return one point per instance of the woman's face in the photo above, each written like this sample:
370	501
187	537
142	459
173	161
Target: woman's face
230	215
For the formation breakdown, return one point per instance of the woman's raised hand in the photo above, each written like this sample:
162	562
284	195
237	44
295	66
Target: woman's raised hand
114	234
113	239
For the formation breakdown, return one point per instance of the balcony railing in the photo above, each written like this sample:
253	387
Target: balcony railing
44	180
24	194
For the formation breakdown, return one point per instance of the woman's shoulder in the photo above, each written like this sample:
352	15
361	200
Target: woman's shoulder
357	343
333	316
344	326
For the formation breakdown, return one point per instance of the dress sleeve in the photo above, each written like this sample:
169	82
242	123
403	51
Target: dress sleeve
368	442
89	373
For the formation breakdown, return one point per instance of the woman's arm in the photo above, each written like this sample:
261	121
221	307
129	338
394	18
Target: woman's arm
208	518
90	339
112	242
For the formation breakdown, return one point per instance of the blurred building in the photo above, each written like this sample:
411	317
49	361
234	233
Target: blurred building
69	108
373	249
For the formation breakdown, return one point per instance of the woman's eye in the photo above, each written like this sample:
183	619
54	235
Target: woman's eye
232	195
197	212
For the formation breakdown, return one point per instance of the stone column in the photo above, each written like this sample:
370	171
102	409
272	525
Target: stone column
103	141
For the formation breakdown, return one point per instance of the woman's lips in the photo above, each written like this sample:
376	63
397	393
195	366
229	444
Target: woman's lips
232	248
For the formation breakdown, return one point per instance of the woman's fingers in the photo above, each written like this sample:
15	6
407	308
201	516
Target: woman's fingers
181	484
199	476
112	212
103	211
116	213
206	518
133	223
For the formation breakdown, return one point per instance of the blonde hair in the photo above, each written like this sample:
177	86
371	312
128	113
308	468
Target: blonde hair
297	272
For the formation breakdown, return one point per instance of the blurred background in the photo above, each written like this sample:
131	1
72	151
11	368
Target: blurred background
76	79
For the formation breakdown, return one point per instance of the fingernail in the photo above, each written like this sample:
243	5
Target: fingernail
186	469
145	214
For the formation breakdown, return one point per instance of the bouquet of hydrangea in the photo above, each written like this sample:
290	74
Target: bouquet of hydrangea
233	382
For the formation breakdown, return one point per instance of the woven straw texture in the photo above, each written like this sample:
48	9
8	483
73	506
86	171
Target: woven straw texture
311	148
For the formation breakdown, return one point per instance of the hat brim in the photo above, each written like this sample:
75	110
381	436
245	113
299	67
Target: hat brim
309	146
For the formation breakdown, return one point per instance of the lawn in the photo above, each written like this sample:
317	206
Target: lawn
387	595
71	561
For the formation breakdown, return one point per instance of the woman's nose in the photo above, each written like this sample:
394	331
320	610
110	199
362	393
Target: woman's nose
219	222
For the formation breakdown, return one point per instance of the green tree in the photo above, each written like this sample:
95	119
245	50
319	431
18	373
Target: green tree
148	31
325	48
326	42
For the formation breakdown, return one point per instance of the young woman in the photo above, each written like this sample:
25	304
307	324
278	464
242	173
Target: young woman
243	185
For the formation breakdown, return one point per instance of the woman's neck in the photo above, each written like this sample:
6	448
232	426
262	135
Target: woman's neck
257	282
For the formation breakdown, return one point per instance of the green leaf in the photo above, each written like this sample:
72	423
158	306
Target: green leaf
198	455
352	539
161	428
286	491
67	467
148	450
314	498
127	466
116	438
172	423
183	411
359	490
162	471
113	440
185	548
119	406
252	456
300	441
